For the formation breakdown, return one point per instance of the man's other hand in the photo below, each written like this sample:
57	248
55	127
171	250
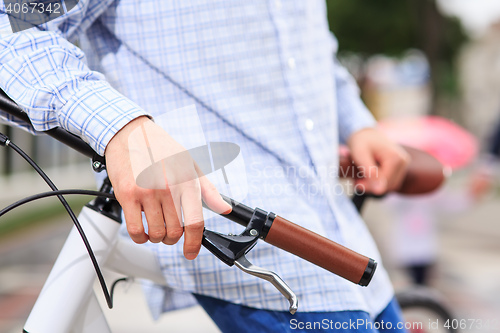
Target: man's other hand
383	162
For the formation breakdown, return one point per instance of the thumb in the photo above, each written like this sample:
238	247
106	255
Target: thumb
212	198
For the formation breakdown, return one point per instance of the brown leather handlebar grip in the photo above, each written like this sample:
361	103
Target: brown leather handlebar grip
424	174
321	251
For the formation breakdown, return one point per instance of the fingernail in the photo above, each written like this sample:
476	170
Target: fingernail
229	209
191	256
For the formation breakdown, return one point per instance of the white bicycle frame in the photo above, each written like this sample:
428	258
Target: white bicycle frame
67	302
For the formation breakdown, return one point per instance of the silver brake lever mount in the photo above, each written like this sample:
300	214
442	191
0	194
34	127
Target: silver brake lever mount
247	267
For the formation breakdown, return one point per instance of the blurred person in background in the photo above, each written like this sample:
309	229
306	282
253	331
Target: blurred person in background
484	176
415	238
414	234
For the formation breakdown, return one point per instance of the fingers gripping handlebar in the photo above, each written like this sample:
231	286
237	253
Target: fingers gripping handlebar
423	175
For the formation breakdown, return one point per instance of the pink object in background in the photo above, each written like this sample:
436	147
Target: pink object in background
452	145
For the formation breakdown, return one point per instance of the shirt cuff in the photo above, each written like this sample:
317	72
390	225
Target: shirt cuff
96	113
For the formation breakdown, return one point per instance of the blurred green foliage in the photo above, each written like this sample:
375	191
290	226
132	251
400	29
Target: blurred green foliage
391	27
370	27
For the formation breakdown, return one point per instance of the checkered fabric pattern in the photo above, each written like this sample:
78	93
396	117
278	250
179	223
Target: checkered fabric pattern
261	74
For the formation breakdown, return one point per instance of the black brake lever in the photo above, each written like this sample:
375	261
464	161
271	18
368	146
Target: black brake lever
231	249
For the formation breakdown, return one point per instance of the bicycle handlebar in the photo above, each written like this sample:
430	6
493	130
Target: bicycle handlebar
9	106
281	232
321	251
305	244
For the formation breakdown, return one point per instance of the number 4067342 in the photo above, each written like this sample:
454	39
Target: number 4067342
33	8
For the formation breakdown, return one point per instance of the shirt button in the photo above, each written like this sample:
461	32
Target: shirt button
291	63
309	124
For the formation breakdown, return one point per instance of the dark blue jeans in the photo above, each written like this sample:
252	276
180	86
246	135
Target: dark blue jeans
231	318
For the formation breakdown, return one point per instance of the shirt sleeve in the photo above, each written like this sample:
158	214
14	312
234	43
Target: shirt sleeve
48	78
352	113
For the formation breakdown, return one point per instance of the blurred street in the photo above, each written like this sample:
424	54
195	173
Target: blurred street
468	267
467	274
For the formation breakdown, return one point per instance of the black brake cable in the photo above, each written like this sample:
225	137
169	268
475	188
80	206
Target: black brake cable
53	194
5	141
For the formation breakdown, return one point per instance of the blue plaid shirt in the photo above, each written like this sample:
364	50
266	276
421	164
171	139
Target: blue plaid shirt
261	74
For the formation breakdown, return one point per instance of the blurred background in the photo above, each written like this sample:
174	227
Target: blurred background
411	59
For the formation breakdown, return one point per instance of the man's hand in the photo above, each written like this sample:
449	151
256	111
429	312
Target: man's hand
382	161
174	182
